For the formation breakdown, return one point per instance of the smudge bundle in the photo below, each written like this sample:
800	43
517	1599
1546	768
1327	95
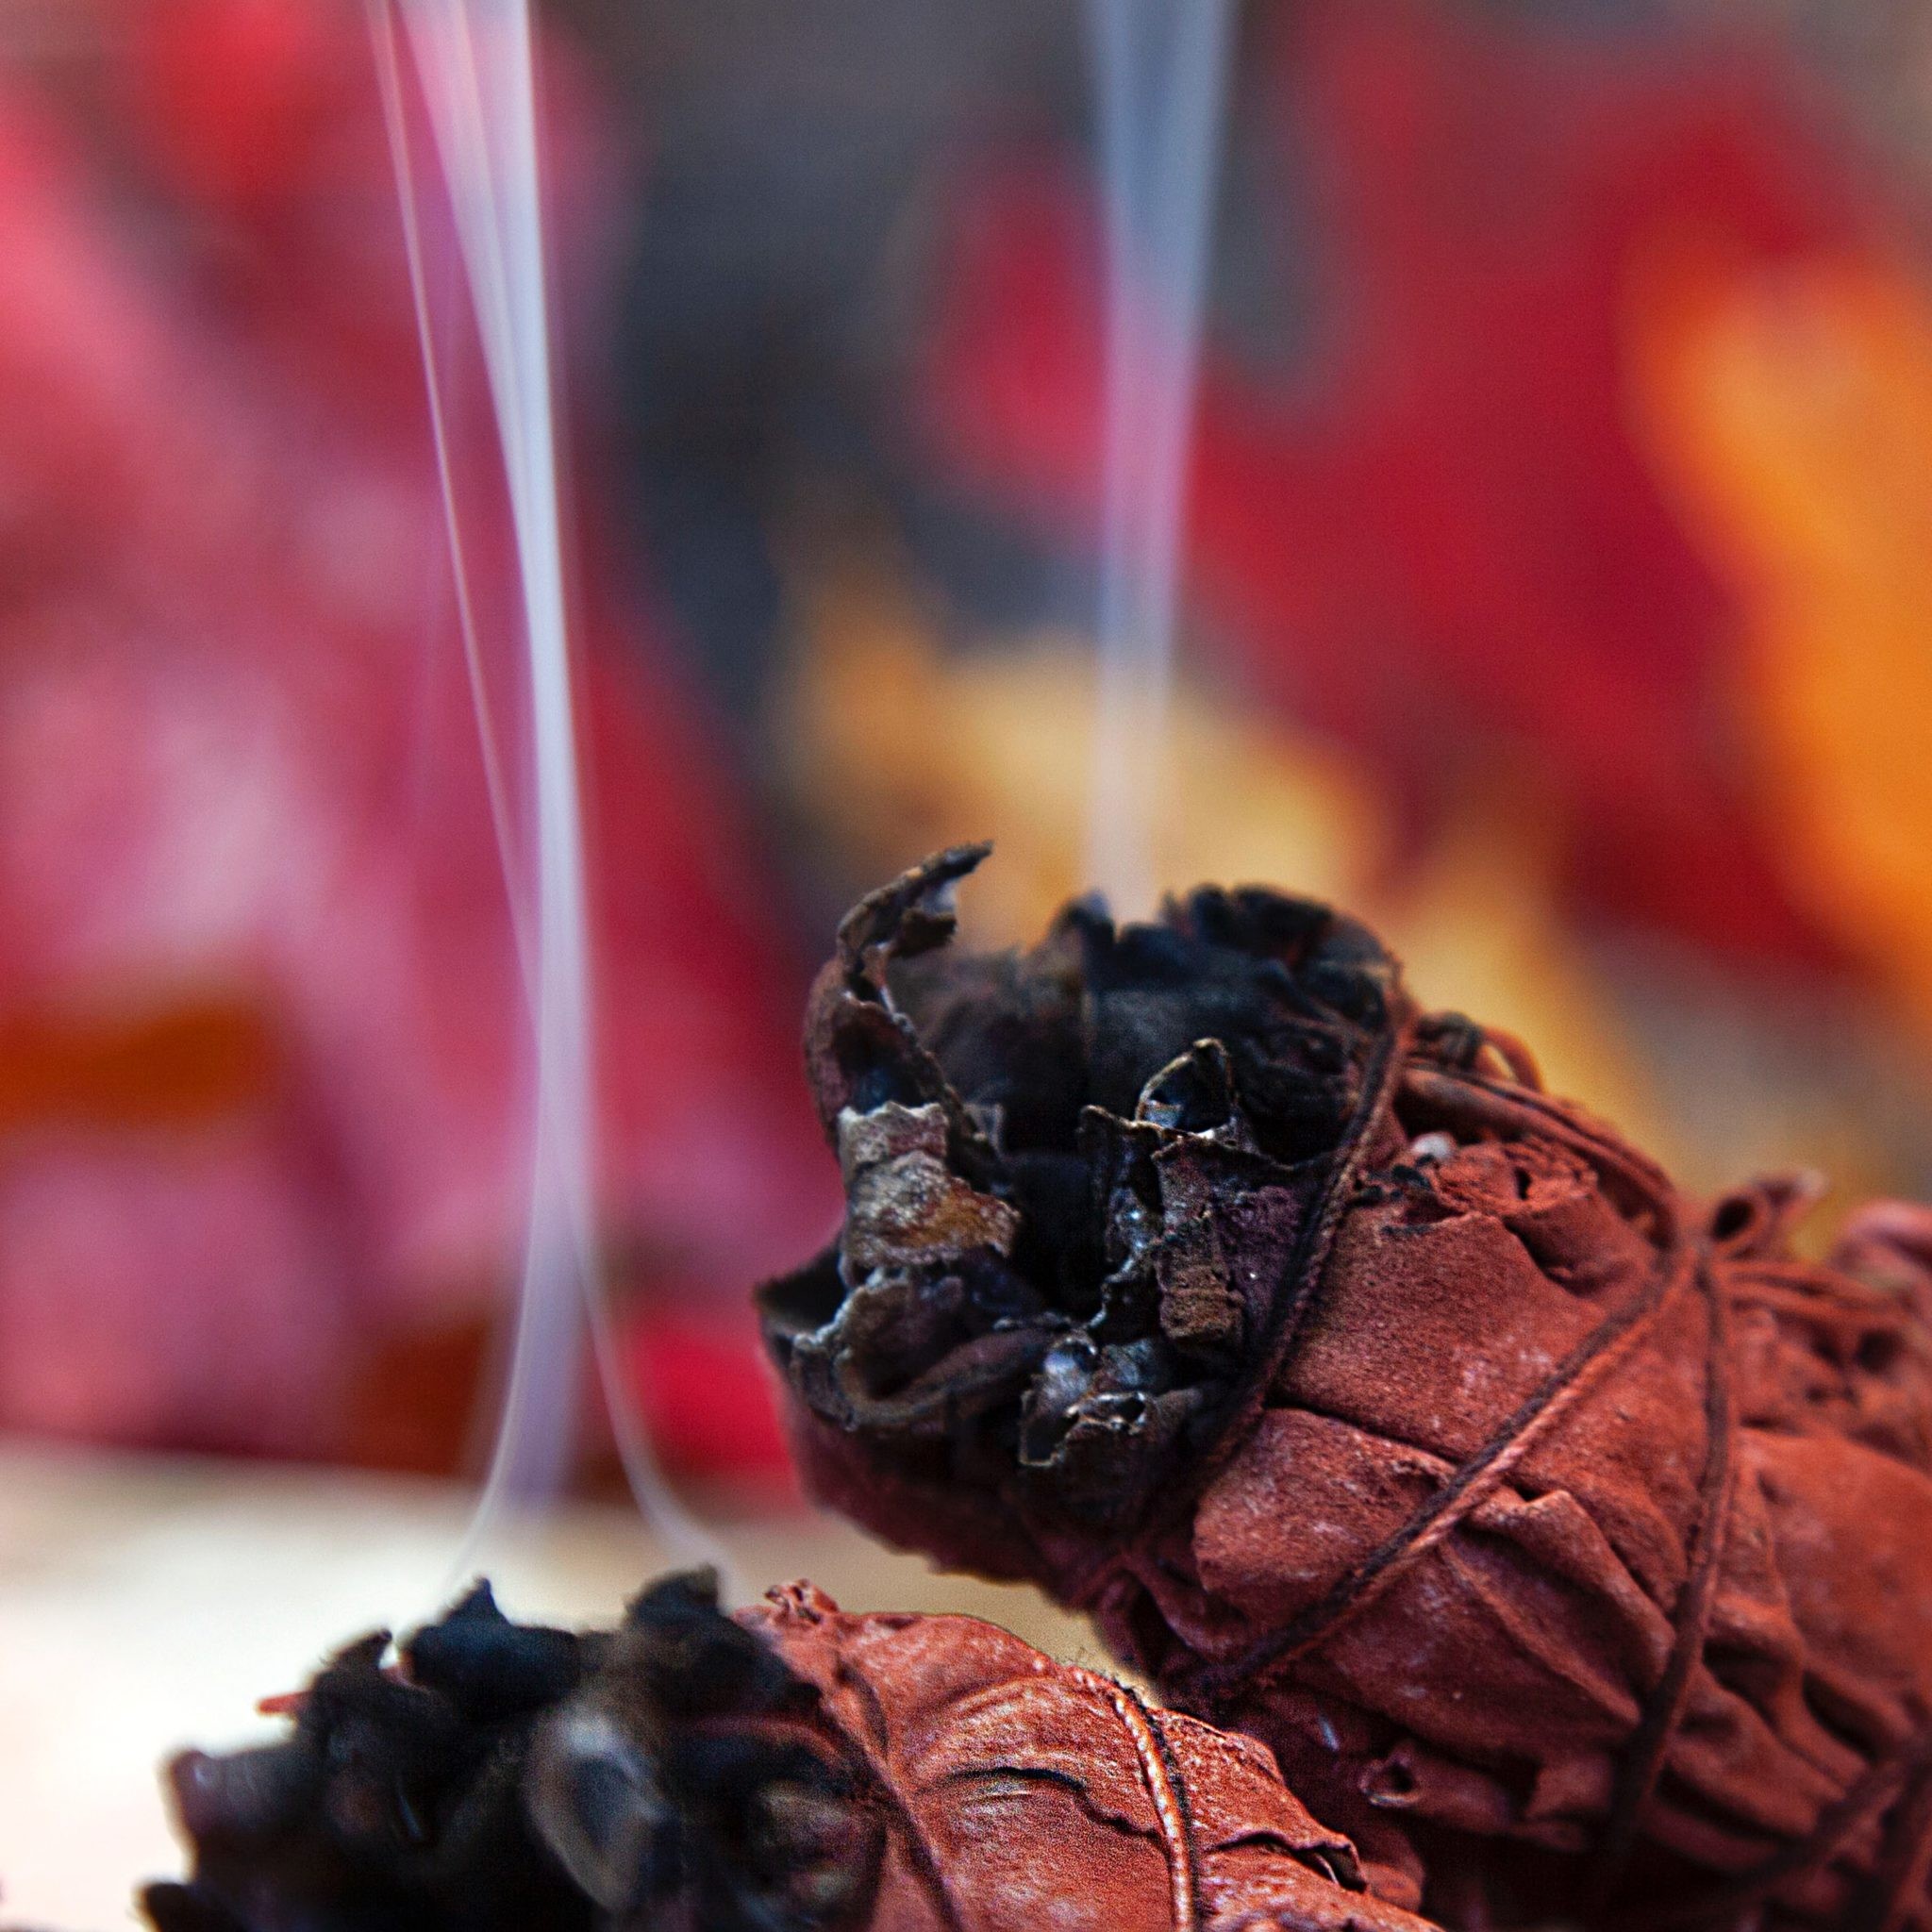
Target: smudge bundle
792	1769
1568	1541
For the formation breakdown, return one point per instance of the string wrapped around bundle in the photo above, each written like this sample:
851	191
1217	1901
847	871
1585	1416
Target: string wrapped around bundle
1569	1542
791	1769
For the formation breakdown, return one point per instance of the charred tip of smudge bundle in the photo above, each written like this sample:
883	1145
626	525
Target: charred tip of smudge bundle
1076	1178
507	1775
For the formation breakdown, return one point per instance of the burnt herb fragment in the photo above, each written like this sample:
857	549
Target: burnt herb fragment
395	1803
1569	1541
1072	1181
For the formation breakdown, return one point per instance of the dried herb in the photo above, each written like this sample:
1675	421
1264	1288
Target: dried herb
1570	1543
791	1769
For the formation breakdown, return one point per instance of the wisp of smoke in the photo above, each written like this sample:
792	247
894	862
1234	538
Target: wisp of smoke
473	67
1161	76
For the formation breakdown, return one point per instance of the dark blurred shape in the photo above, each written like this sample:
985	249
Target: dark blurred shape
780	270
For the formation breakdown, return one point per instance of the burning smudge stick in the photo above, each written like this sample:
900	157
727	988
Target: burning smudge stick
792	1769
1569	1542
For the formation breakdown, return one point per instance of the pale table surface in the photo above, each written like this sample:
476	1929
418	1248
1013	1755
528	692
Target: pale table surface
147	1604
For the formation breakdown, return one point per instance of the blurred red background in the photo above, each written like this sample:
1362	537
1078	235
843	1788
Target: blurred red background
1559	590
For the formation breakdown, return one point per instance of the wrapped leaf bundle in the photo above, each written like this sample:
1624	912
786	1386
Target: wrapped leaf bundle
1570	1543
792	1769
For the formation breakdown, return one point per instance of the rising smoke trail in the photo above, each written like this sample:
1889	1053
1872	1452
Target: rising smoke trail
1160	69
474	66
